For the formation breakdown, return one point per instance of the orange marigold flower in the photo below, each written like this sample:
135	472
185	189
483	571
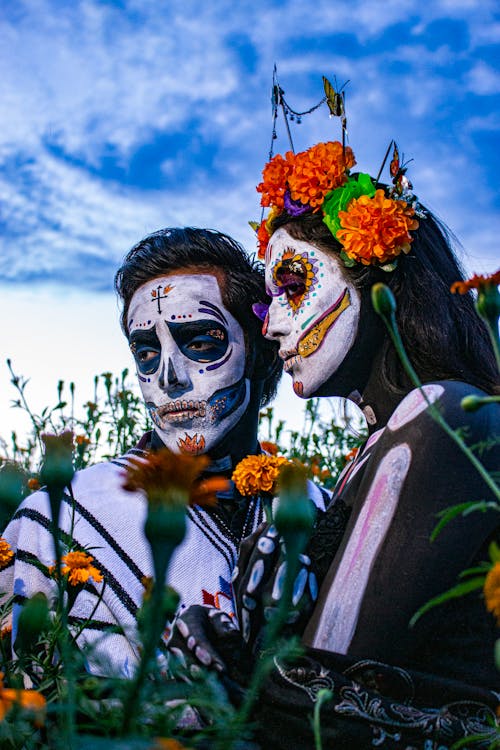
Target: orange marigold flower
376	229
269	447
33	484
351	454
274	180
148	583
318	171
82	440
204	492
6	553
78	567
262	239
5	632
492	591
30	700
163	743
256	474
172	479
478	281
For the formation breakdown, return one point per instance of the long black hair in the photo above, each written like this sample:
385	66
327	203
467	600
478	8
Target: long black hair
442	333
240	279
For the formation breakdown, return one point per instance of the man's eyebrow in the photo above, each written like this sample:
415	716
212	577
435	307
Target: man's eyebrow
214	310
147	335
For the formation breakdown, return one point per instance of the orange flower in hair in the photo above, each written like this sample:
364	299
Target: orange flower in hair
376	229
319	170
262	239
275	177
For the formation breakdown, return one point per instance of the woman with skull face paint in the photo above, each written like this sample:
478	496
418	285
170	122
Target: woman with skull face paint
330	237
205	370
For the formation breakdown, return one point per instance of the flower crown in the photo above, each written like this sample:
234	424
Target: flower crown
371	224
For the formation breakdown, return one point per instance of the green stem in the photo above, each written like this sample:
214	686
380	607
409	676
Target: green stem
323	696
82	627
494	339
19	386
265	664
132	701
391	325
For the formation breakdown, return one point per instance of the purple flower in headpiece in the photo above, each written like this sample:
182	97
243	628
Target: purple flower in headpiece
294	208
260	309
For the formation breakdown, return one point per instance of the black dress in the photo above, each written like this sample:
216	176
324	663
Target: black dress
392	685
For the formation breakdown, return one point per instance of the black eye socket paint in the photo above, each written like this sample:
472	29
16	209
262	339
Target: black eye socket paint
146	348
200	340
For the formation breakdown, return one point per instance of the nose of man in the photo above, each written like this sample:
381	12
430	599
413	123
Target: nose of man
174	378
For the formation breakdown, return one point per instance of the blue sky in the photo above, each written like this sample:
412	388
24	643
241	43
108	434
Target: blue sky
121	117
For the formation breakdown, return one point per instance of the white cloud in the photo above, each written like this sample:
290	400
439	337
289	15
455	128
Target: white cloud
483	80
82	81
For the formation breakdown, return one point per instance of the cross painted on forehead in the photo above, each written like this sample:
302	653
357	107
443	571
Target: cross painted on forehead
156	294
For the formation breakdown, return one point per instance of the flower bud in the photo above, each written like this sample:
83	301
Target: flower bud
383	300
488	303
57	469
471	402
33	620
295	512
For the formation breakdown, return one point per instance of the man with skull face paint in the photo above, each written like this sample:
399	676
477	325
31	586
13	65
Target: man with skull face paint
204	370
320	268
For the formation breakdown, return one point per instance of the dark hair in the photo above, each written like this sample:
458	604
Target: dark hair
240	279
442	333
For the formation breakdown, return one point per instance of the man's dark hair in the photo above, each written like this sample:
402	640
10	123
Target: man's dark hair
443	335
241	281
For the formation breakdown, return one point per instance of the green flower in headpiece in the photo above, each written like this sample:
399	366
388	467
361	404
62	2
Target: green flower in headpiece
339	199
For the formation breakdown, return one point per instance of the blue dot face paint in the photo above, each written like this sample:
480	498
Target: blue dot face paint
190	357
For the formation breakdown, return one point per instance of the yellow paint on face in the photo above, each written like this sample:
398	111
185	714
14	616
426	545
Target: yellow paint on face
313	338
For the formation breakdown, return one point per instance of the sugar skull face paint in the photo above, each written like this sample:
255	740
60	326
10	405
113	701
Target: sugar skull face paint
190	357
314	313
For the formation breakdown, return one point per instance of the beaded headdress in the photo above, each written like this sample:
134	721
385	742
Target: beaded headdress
372	223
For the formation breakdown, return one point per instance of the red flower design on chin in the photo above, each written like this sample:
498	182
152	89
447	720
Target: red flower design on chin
193	445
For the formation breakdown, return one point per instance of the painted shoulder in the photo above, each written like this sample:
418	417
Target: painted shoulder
446	396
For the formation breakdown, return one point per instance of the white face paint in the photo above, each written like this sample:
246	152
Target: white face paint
314	313
190	357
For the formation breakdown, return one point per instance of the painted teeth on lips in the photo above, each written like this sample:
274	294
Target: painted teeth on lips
286	353
180	409
290	358
290	363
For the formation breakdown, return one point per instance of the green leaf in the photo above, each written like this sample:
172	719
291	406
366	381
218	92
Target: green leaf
454	593
348	262
494	552
388	267
461	509
477	570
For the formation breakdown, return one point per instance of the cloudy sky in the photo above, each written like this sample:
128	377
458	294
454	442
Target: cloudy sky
122	117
